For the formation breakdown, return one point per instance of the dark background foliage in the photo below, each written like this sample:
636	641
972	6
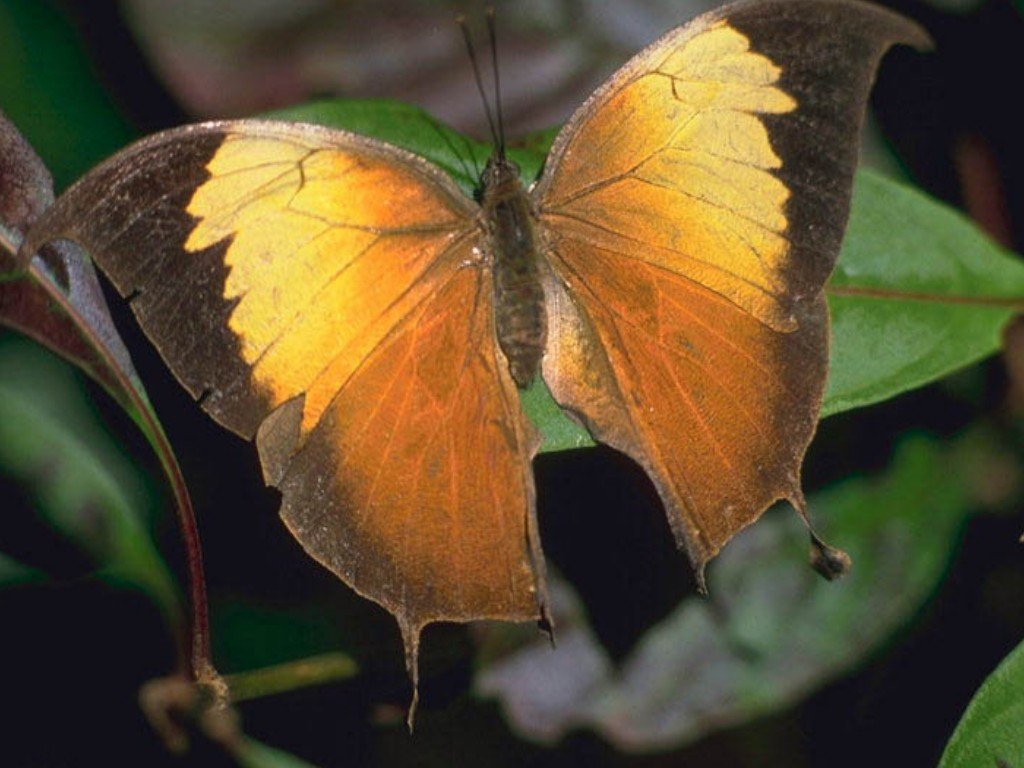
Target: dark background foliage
75	649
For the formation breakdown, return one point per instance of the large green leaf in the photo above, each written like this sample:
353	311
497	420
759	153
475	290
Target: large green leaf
991	732
769	634
919	291
53	446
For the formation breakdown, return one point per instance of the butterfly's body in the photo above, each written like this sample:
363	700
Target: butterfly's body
520	316
343	302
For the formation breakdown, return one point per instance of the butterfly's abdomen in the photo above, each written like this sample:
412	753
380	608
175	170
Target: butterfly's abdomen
520	318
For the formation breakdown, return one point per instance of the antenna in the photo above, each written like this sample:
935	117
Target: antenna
498	142
497	80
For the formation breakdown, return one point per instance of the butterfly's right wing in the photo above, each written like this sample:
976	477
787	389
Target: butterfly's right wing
323	293
693	209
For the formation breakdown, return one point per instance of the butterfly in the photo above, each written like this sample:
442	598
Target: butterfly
343	303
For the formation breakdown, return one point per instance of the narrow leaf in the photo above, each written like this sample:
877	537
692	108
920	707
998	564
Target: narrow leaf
55	298
53	446
254	754
12	572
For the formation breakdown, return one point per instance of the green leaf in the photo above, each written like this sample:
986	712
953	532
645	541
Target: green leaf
415	130
323	669
771	632
253	754
991	732
12	572
248	636
53	445
919	291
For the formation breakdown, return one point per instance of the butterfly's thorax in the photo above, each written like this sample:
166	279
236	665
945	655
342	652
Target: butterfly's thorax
520	317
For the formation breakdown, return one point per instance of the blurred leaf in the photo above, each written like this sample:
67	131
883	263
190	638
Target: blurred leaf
991	732
53	446
769	634
280	634
322	669
12	572
253	754
919	291
48	88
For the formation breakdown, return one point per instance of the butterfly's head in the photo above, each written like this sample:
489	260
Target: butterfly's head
499	174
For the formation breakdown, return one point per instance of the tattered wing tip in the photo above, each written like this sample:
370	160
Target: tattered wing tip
916	36
277	439
700	576
411	641
830	562
546	624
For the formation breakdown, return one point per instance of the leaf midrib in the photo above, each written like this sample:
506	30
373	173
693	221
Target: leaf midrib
930	298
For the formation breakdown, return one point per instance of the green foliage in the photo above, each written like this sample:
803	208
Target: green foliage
12	572
918	293
284	634
53	445
253	754
991	731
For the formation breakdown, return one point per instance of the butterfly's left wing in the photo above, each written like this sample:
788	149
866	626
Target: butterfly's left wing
692	210
323	293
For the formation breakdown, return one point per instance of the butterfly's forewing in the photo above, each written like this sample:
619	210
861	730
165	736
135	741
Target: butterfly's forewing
692	210
325	293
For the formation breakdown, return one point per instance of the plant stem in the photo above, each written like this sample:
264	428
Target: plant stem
314	670
196	661
198	653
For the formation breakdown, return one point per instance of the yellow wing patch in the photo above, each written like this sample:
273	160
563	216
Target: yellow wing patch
680	160
328	251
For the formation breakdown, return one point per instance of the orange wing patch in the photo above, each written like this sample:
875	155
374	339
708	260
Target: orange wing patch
703	395
328	250
416	486
675	168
